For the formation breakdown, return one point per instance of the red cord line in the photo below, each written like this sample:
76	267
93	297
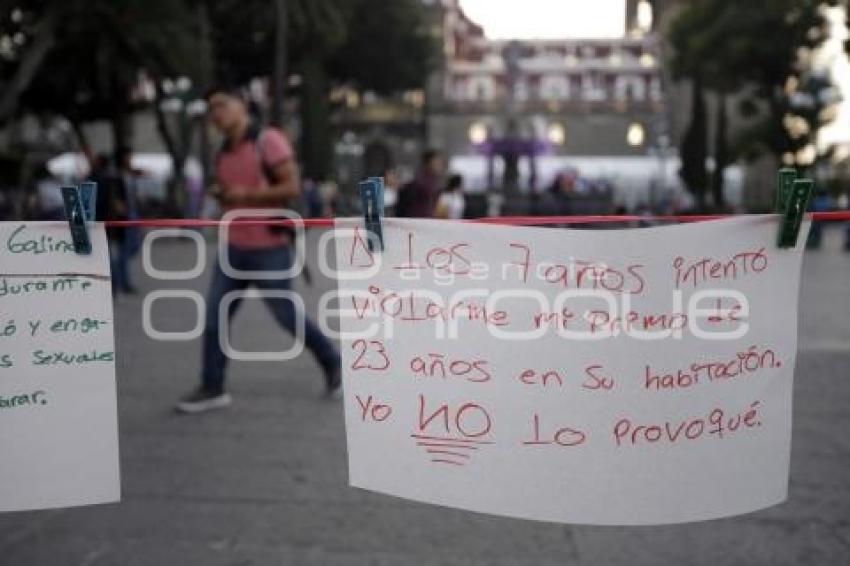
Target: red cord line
841	216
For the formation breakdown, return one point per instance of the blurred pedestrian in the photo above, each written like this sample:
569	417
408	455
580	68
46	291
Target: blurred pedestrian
332	198
128	240
418	198
255	168
111	204
314	205
559	199
195	194
820	203
451	204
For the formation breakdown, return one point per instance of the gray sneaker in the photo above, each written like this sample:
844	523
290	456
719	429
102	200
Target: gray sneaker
202	401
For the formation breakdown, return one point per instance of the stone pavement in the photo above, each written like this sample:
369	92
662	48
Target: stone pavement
265	482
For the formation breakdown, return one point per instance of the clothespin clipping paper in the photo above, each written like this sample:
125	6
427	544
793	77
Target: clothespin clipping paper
88	196
372	199
79	210
793	209
784	185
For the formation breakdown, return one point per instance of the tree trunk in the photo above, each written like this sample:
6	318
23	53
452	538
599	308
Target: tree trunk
315	120
178	155
206	73
721	152
278	75
694	147
120	129
82	138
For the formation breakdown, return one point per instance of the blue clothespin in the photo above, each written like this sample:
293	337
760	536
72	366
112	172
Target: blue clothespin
372	199
380	182
88	195
793	209
75	213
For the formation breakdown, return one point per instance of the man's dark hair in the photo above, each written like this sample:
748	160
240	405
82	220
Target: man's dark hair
455	182
428	155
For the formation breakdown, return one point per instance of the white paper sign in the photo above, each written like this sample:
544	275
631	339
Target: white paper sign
586	376
58	418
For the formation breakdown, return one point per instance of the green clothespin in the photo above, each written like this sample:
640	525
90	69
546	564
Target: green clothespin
793	209
784	184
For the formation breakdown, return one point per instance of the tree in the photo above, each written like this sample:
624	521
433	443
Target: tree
725	45
388	47
369	44
694	147
98	51
98	48
25	64
722	156
82	59
278	74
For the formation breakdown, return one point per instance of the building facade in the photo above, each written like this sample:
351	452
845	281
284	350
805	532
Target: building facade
594	97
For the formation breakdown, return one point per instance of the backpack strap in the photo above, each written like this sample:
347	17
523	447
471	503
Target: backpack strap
253	135
265	168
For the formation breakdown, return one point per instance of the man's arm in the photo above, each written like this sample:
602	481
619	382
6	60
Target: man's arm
286	187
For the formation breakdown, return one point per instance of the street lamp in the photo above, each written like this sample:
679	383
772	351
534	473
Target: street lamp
557	134
477	133
635	135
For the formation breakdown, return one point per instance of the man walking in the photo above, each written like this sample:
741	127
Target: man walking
255	168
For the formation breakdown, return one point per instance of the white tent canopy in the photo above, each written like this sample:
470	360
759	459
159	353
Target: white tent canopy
157	165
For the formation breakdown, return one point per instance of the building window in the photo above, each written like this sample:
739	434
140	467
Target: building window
481	88
630	88
521	90
592	89
554	87
655	93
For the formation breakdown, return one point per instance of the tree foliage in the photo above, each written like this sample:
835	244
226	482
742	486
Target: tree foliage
376	45
373	44
388	47
750	48
100	47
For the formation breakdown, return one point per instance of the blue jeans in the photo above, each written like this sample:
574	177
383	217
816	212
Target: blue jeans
120	266
271	259
122	251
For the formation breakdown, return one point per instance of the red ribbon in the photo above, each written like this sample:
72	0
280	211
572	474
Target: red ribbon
840	216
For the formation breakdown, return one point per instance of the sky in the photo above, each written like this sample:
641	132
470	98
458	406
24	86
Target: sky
548	19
